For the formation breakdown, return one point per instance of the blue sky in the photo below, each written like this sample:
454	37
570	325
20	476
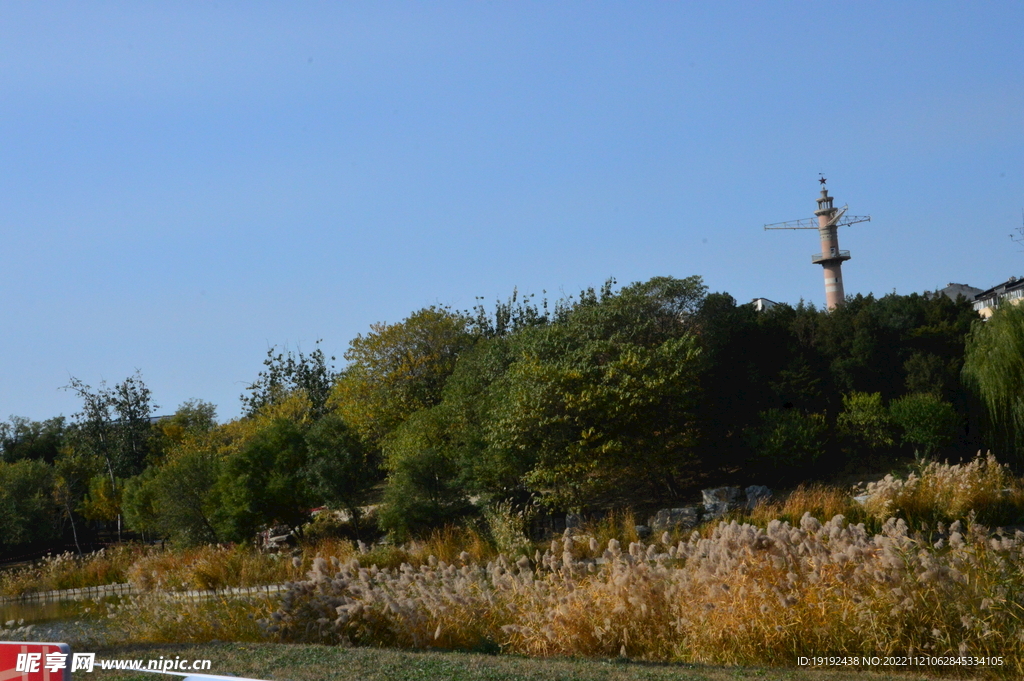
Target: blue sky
184	185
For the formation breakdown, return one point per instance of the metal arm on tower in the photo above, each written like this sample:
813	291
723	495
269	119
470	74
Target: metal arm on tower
812	223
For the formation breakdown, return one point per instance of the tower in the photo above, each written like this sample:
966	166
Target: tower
828	219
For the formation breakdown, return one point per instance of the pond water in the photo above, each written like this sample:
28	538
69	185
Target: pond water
37	612
74	622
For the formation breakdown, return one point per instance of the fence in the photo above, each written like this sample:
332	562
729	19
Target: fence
99	592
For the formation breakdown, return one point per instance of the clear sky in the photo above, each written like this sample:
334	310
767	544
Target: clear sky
185	184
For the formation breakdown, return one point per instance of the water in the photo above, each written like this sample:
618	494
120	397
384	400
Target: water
80	623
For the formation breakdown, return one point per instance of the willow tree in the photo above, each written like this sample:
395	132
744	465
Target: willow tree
994	368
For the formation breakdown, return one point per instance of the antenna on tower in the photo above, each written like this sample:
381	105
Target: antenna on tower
828	219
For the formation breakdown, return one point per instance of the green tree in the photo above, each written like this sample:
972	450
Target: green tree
21	438
338	470
286	373
788	443
866	421
176	500
928	422
114	426
604	399
27	512
261	483
994	369
424	488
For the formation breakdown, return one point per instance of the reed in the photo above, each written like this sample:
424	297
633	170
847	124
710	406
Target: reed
741	595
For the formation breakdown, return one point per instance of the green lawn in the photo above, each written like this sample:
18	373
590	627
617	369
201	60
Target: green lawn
323	663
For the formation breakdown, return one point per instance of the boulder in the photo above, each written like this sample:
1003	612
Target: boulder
755	494
667	519
719	500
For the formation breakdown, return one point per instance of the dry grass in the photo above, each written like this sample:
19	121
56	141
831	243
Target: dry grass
943	493
68	571
161	618
743	595
210	567
821	501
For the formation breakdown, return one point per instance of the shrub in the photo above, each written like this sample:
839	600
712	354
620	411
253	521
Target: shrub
787	440
928	423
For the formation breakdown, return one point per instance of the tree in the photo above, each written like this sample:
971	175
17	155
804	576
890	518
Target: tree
175	500
927	421
338	469
113	426
994	369
866	421
21	438
286	373
261	483
602	400
788	443
424	489
398	369
27	513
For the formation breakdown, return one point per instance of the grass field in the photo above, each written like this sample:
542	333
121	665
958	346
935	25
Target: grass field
330	663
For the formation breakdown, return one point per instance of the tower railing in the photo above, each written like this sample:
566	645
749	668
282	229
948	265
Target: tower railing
821	257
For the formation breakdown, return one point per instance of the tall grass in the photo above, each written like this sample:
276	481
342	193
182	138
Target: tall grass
161	618
210	567
943	493
743	595
68	571
821	501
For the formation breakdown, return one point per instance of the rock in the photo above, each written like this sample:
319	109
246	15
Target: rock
668	519
720	500
573	521
642	531
755	494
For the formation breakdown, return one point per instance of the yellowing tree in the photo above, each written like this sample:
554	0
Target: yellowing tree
398	369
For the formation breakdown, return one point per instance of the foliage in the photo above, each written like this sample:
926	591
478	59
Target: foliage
398	369
338	470
601	397
866	421
103	500
113	427
423	489
21	438
176	500
27	513
788	442
286	373
261	483
994	368
928	422
509	317
114	423
193	417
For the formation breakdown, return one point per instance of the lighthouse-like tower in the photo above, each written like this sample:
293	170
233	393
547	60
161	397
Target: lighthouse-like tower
831	258
828	219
